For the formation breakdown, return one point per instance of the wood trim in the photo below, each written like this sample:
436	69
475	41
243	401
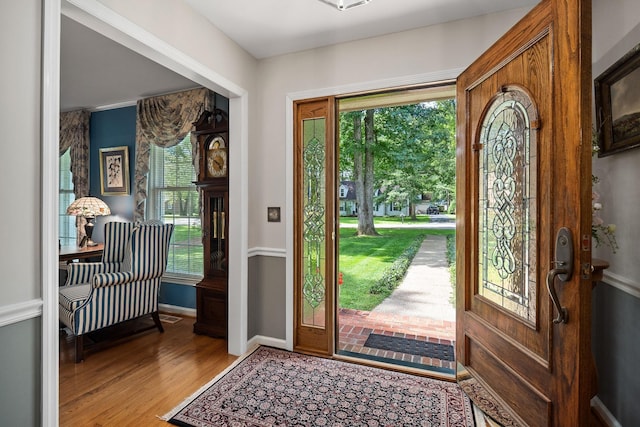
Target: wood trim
572	102
314	340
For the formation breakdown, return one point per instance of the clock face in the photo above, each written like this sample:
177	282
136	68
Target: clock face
217	163
217	157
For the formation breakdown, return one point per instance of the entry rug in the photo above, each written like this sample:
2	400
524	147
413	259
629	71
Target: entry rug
410	346
273	387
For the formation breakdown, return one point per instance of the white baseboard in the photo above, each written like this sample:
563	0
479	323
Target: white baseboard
604	413
18	312
174	309
268	341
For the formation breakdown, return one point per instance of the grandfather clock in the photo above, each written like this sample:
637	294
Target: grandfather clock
212	133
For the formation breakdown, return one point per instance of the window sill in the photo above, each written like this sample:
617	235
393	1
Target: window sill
181	279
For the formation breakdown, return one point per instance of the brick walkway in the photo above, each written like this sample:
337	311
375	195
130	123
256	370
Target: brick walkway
428	272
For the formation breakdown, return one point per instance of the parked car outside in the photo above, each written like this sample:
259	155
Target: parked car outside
433	210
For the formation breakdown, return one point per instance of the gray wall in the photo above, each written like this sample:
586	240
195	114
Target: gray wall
267	303
616	313
616	346
20	374
20	349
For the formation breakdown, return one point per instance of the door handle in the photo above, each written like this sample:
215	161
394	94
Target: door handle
563	271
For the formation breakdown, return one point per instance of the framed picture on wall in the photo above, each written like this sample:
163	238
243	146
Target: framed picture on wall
617	97
114	171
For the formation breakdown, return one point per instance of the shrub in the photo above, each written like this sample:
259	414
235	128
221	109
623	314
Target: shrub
392	276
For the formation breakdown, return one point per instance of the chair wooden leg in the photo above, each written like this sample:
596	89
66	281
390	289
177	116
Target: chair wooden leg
79	341
156	320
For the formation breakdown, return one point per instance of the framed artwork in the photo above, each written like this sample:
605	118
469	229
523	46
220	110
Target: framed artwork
114	171
617	97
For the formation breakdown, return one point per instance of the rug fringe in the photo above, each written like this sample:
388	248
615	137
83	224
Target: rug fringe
186	401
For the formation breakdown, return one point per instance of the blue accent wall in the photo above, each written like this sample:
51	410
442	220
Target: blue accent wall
117	128
178	295
112	128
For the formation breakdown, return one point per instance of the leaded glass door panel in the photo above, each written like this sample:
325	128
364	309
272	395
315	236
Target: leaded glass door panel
314	202
523	173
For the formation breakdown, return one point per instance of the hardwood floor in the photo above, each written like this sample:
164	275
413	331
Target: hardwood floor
138	379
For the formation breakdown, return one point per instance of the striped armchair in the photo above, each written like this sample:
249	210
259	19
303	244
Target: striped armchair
116	239
102	294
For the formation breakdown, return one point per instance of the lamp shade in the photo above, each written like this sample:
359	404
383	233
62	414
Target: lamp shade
88	207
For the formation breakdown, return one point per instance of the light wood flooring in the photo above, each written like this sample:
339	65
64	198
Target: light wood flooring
138	379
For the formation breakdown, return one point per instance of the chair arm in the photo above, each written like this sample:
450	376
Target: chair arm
82	272
113	279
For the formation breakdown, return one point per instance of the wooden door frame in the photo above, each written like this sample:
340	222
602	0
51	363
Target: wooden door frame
341	90
306	339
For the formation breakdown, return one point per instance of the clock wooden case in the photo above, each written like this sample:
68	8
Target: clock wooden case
212	133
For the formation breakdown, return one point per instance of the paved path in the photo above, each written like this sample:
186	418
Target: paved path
426	288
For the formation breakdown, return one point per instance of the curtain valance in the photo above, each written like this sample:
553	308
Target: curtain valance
74	135
164	121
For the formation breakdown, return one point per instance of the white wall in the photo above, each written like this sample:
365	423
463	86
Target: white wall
20	258
616	29
177	24
370	62
20	123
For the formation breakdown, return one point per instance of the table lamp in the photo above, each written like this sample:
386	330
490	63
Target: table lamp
89	208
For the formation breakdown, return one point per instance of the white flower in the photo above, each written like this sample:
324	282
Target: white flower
597	206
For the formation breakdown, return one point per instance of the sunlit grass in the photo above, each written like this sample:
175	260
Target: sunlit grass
363	261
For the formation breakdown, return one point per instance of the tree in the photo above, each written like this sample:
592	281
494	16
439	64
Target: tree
420	152
363	172
439	128
178	177
411	148
403	173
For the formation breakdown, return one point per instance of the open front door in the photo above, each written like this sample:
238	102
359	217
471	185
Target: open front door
524	216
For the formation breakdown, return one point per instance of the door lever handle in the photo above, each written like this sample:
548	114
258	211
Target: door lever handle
563	270
563	314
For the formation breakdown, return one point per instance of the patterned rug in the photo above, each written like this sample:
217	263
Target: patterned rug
273	387
411	346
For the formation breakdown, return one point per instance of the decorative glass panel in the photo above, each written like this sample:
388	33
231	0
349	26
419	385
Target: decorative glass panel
507	204
314	207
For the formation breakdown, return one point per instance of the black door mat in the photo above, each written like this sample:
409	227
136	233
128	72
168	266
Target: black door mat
410	346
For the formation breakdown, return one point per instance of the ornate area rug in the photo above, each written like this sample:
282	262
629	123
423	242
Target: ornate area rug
273	387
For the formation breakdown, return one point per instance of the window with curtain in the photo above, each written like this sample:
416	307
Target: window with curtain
173	198
66	223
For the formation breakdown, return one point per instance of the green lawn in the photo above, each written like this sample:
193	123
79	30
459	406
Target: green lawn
179	257
363	261
392	220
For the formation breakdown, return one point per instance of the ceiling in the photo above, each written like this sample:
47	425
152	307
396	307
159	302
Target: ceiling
273	27
97	72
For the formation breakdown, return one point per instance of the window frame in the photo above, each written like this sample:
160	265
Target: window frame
64	167
154	210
